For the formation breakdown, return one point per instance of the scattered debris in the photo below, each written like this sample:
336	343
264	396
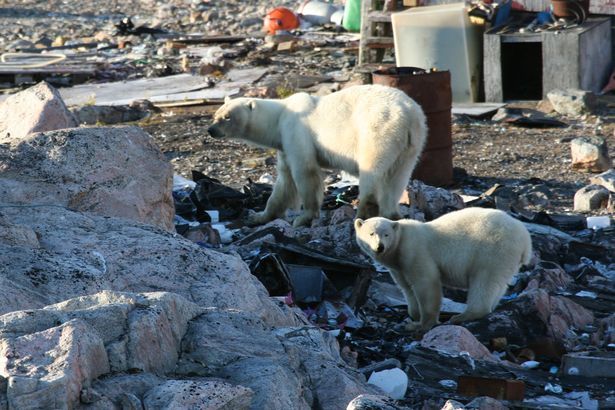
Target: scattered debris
526	117
393	382
589	364
502	389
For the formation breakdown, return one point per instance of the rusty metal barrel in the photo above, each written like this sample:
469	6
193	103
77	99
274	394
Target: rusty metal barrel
432	91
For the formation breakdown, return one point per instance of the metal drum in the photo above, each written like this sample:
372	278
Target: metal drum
432	91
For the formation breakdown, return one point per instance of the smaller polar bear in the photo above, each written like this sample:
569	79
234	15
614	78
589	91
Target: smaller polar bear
474	248
374	132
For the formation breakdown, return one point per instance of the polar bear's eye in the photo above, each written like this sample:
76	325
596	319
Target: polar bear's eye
372	234
226	117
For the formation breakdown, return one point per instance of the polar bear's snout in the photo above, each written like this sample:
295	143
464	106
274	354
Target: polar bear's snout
215	132
380	247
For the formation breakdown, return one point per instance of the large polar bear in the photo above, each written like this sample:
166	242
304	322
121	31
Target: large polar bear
474	248
374	132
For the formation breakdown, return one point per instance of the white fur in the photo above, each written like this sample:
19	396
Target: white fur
475	249
372	131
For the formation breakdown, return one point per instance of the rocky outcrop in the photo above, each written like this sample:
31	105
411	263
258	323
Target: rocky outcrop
77	254
219	324
239	347
160	351
105	171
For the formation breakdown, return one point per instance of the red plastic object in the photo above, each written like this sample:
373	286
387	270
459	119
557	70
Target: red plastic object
280	18
610	86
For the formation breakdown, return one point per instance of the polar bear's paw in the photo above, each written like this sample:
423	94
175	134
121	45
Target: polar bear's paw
414	314
413	326
302	220
257	218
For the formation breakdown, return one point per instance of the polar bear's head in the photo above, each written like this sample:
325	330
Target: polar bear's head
233	118
376	236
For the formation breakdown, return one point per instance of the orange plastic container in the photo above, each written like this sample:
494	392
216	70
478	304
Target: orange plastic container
280	18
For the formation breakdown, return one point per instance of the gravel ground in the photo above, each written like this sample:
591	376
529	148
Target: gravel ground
488	152
530	159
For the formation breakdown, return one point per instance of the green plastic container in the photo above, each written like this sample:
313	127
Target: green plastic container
352	15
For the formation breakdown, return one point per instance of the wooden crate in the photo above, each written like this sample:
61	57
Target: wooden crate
574	58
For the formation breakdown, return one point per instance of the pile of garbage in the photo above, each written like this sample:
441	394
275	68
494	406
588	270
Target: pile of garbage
549	342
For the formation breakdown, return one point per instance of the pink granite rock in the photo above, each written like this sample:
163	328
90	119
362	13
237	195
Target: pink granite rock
39	108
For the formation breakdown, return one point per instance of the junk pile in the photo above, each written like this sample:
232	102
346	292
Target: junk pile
548	344
164	40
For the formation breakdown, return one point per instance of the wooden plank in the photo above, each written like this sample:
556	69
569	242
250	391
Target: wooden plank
50	69
382	42
492	66
117	93
595	56
521	38
194	97
64	47
366	31
560	60
180	87
475	109
379	16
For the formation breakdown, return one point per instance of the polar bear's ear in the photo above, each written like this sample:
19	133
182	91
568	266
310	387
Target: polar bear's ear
251	105
358	223
227	99
395	225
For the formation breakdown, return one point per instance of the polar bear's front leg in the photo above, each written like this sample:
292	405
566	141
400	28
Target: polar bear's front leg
406	289
284	195
309	182
428	293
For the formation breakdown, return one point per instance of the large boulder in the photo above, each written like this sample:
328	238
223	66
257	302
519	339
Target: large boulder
52	356
591	198
160	351
39	108
106	171
533	317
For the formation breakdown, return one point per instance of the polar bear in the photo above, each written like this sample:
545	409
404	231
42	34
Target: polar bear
371	131
474	248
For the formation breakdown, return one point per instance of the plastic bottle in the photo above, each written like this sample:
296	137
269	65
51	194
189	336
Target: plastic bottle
352	15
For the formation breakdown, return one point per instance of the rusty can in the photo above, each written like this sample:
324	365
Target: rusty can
432	91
